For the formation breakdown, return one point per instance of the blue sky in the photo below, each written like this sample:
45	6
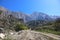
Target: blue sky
50	7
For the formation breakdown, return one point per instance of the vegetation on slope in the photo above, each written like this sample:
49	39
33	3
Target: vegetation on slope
0	12
53	27
9	22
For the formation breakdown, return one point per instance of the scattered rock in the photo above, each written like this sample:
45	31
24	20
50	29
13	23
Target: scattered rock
2	36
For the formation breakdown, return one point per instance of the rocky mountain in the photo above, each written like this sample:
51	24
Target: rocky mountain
40	16
34	19
54	17
25	17
19	15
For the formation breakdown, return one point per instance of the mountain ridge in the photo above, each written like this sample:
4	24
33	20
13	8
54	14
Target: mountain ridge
26	17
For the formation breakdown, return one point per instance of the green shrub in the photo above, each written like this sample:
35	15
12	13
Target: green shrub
57	24
0	12
20	27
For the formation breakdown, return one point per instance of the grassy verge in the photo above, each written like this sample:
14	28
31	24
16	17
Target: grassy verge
50	31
